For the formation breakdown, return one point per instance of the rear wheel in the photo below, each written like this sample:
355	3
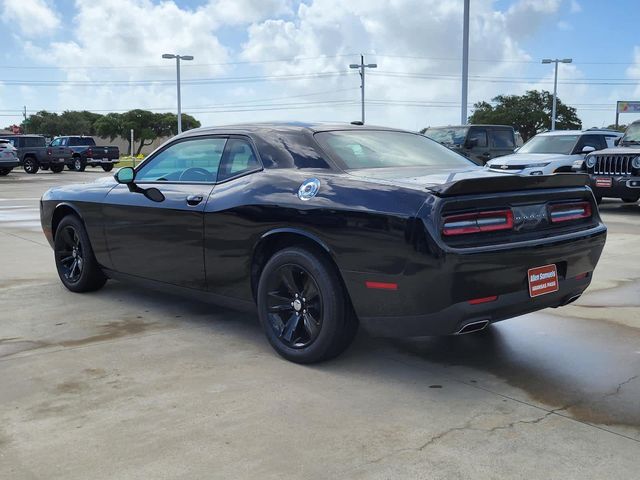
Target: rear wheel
57	168
5	171
302	307
30	165
107	167
629	199
77	267
78	164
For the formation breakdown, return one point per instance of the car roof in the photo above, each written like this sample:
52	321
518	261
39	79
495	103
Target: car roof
472	125
312	127
578	132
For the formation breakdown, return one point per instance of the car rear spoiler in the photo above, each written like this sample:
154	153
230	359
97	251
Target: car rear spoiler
507	183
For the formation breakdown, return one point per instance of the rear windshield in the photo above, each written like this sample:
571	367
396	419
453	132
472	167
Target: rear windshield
380	149
81	142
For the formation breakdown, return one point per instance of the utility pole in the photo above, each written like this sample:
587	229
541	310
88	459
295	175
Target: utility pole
178	58
24	115
465	63
362	66
555	86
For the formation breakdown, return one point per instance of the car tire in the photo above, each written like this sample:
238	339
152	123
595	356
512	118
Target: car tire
44	168
79	165
57	168
303	307
76	264
30	165
5	171
107	168
629	199
70	167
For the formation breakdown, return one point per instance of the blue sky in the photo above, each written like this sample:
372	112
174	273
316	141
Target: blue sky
105	55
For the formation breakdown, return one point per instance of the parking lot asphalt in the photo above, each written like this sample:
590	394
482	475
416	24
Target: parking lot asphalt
129	384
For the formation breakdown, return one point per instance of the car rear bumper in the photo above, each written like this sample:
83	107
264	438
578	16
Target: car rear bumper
9	163
441	298
626	186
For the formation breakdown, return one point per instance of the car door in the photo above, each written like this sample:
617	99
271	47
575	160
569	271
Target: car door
477	145
58	151
163	240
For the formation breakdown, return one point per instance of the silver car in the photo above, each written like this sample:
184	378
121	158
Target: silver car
553	152
8	157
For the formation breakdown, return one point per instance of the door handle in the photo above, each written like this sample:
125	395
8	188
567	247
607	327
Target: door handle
194	200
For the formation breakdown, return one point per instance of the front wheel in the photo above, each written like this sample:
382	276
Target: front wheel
31	165
302	307
77	267
57	168
629	199
5	171
78	164
107	167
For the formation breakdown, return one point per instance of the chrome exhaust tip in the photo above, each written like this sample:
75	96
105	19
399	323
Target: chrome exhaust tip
473	327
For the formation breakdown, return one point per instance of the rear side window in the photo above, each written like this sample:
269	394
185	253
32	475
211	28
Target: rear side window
595	141
81	142
502	139
238	158
479	135
30	142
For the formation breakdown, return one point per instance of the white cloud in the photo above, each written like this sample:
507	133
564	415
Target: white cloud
238	12
34	18
575	7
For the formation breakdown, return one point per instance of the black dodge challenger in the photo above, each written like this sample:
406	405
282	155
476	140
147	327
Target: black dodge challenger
325	227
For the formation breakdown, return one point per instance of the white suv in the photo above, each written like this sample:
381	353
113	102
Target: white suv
553	152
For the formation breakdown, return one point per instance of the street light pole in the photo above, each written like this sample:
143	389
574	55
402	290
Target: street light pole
362	67
465	63
178	58
555	86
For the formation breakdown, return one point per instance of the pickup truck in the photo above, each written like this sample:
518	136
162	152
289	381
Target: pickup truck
34	153
84	151
8	157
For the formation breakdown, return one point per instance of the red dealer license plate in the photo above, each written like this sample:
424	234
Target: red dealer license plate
543	280
603	182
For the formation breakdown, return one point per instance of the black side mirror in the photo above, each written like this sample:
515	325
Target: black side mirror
125	175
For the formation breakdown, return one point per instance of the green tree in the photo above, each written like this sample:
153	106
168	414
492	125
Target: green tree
528	114
147	126
620	128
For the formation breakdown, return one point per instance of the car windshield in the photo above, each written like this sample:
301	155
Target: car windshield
448	135
632	134
562	144
379	149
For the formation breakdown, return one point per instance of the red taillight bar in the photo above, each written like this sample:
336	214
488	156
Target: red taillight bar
89	152
563	212
477	222
381	285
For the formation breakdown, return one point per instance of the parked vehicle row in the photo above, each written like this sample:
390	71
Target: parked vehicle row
33	153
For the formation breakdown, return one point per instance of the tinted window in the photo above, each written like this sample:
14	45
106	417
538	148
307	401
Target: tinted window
194	160
562	144
595	141
81	142
477	136
502	139
56	143
378	149
238	158
30	142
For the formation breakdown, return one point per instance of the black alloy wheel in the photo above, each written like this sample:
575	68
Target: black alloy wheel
30	165
77	267
69	254
302	306
294	304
